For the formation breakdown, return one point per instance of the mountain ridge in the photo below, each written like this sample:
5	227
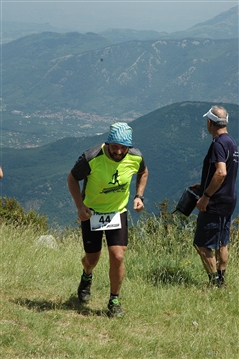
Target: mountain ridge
124	80
226	23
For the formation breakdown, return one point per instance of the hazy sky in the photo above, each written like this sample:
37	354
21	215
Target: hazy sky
98	15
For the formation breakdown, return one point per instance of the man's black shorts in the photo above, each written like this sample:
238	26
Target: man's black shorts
92	240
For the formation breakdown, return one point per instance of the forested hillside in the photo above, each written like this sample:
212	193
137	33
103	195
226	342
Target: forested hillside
42	73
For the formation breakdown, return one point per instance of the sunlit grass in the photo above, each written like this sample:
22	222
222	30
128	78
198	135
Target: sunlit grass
170	310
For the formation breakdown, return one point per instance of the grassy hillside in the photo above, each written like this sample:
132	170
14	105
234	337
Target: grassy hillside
171	313
173	140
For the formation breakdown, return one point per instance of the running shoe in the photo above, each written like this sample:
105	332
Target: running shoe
84	292
115	309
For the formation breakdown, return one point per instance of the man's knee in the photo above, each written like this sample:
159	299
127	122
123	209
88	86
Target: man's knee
205	252
117	254
91	258
223	255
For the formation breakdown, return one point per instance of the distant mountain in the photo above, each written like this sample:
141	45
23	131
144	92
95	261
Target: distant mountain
124	35
12	30
54	72
222	26
46	46
173	140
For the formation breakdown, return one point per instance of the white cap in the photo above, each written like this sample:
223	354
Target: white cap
214	118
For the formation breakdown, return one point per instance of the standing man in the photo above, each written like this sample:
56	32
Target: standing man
107	170
217	197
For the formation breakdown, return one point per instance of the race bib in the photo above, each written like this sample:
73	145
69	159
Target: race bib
105	221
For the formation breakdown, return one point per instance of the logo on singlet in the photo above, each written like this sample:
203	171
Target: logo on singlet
115	178
118	188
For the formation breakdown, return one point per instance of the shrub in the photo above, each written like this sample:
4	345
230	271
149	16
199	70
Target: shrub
12	212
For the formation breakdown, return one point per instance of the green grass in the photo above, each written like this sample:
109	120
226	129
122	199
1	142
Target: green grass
170	311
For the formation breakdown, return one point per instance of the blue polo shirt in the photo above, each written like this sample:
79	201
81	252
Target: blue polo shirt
222	149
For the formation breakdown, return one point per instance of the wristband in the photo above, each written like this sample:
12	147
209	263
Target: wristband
206	194
138	196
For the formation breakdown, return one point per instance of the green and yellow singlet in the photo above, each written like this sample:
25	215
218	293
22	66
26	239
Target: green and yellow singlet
106	185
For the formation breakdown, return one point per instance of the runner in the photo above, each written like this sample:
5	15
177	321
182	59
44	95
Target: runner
107	171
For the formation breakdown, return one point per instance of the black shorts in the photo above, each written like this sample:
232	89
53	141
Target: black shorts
213	231
92	240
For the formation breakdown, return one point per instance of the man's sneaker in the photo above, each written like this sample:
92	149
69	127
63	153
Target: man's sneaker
221	274
84	289
115	309
214	280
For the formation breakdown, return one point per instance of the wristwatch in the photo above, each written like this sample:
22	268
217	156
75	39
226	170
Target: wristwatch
206	194
138	196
